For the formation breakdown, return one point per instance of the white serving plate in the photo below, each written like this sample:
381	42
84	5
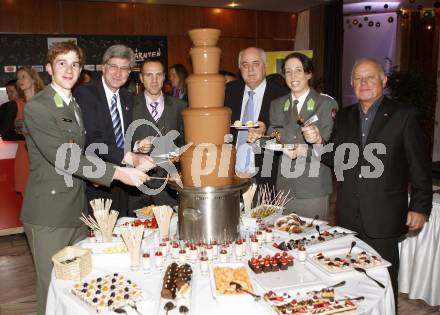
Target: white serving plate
307	230
102	259
278	147
250	222
342	252
229	297
311	242
123	220
99	248
296	276
244	127
303	293
190	302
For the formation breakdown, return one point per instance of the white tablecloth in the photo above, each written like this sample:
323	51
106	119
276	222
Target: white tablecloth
419	272
377	301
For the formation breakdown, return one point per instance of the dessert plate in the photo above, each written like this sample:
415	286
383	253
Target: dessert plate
336	262
306	229
244	127
297	275
313	295
237	272
186	300
278	147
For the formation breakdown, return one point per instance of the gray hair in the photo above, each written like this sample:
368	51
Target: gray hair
261	51
368	59
119	51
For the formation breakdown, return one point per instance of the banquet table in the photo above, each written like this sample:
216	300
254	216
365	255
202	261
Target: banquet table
377	301
419	271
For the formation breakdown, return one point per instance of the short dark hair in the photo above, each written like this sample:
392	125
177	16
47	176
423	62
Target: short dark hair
12	83
305	61
153	59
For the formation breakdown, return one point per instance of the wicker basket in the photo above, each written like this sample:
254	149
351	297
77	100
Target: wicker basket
72	263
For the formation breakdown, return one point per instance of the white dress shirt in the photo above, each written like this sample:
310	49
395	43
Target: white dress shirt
109	94
258	101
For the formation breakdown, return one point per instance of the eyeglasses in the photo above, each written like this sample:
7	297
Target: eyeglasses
248	65
115	68
63	64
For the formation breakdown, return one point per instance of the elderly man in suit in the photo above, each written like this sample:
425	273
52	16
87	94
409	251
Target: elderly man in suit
55	192
164	116
311	183
250	99
107	110
372	197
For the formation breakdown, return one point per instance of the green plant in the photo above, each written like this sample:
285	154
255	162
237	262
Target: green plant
419	90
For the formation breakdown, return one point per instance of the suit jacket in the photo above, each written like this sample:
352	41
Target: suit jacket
283	113
171	119
97	119
99	126
234	98
382	202
48	200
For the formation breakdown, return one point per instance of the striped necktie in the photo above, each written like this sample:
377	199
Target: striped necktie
116	120
248	115
154	111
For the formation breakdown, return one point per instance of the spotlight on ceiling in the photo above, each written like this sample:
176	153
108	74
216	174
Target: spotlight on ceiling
367	8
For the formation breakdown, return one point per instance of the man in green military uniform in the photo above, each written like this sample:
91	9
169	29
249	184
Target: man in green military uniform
55	192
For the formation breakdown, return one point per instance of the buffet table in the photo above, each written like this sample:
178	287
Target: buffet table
419	272
377	301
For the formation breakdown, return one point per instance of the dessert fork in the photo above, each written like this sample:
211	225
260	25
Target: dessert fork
239	287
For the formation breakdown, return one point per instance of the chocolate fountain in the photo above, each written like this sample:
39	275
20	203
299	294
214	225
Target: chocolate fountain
209	202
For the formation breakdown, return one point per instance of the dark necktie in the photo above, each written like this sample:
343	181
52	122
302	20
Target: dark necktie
295	110
116	120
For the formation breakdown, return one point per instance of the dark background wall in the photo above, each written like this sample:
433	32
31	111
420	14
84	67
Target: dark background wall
240	28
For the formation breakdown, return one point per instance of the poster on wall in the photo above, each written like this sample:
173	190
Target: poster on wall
274	59
31	49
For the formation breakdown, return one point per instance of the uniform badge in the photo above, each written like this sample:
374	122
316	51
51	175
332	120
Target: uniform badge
287	104
310	105
334	110
58	101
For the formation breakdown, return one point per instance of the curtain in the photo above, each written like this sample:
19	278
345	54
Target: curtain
333	21
302	31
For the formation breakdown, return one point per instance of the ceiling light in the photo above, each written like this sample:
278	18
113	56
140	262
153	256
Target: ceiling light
233	4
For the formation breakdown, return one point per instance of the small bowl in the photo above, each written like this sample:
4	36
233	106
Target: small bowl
204	36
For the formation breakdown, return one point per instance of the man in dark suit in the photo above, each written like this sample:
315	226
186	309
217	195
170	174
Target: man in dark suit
164	116
255	93
107	113
376	205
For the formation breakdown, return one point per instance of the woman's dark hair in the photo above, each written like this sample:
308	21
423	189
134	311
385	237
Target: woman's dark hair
305	61
181	71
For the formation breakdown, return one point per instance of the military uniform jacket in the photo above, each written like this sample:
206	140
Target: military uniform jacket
283	117
49	200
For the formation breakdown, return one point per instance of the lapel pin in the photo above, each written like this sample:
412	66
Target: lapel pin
126	108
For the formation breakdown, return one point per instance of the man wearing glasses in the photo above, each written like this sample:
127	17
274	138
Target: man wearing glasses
107	113
250	99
